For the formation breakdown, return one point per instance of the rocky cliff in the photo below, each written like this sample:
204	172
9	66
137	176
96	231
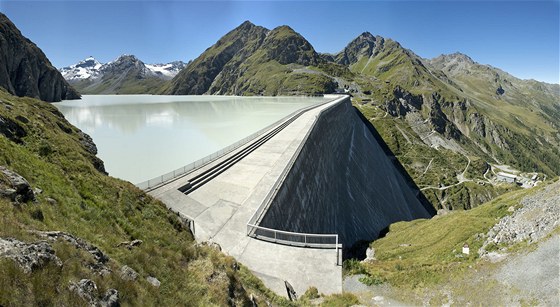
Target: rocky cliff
26	71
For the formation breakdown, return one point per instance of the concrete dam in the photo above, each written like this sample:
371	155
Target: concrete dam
283	203
343	183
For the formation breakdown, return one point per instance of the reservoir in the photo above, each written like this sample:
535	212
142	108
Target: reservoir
140	137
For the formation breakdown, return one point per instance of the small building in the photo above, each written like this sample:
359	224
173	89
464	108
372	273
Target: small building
506	177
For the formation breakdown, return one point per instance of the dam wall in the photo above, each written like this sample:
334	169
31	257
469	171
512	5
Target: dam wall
344	182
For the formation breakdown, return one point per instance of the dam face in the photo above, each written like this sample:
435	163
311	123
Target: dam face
343	183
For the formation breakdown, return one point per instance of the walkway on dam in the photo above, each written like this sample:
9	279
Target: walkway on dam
222	207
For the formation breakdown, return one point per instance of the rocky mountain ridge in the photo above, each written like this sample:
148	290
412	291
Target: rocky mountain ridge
252	60
26	71
126	74
91	68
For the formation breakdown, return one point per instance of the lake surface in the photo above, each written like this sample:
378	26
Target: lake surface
140	137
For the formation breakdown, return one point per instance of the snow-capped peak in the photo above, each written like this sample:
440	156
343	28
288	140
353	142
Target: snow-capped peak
90	68
87	68
166	71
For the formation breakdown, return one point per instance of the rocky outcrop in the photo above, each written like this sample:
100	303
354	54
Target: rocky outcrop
29	256
538	216
403	102
14	186
12	130
90	147
100	259
26	71
87	290
439	120
88	143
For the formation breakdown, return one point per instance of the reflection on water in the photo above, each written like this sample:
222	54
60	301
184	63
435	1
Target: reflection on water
140	137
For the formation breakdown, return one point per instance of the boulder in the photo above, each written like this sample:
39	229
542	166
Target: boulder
100	259
110	299
154	281
130	244
128	274
18	188
86	289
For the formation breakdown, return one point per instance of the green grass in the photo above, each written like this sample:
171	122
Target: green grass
425	253
104	211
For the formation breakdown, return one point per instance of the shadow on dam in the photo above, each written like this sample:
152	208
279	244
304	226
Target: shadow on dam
345	181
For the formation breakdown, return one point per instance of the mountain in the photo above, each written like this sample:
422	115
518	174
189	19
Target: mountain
252	60
88	68
451	121
26	71
125	75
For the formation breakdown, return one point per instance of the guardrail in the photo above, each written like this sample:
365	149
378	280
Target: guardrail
314	240
287	237
177	173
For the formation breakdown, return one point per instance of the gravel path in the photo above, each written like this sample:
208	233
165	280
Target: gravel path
535	273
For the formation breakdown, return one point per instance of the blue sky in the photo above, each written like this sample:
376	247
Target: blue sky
520	37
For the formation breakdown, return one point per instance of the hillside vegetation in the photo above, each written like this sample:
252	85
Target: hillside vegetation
73	196
422	261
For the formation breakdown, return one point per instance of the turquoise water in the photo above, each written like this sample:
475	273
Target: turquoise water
140	137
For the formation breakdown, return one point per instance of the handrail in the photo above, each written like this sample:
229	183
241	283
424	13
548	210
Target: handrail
179	172
290	238
252	225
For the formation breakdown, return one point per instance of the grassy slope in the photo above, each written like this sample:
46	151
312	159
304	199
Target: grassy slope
426	254
104	211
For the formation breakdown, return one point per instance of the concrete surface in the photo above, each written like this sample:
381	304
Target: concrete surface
223	206
343	183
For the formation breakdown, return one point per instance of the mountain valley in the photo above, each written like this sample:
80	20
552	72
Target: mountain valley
481	145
